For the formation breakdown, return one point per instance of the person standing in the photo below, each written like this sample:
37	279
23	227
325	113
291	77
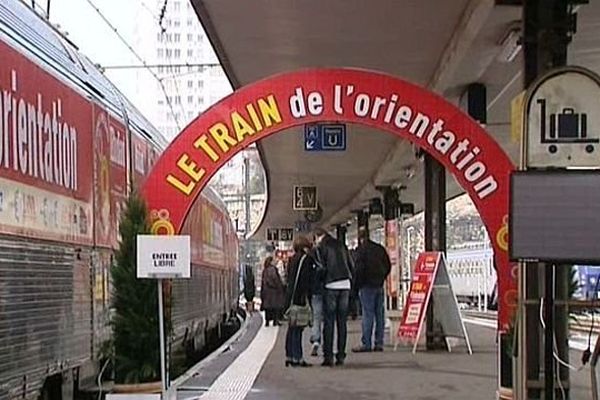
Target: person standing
317	290
249	289
333	256
298	290
272	293
372	268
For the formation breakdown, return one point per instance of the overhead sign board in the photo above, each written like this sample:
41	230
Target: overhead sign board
563	120
272	234
303	226
286	234
325	137
305	198
280	234
163	256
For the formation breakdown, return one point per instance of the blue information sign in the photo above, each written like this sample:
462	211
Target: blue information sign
325	137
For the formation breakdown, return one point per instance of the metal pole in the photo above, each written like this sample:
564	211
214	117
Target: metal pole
161	332
486	267
549	332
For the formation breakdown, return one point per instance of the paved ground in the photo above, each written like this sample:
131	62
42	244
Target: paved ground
388	375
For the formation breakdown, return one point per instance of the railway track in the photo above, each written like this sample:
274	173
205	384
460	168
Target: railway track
579	323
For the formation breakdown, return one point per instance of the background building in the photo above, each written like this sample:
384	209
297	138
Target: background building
190	78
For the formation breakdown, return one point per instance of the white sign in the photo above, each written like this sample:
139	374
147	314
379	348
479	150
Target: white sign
161	256
563	120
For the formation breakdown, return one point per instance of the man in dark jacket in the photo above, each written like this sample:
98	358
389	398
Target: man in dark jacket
333	256
372	268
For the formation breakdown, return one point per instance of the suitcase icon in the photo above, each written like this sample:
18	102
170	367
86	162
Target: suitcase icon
568	125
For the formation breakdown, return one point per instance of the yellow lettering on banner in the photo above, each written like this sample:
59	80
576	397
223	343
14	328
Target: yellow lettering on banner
269	110
182	187
241	126
254	117
202	144
220	134
189	167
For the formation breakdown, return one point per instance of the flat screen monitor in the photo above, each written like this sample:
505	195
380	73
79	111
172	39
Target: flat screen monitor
555	216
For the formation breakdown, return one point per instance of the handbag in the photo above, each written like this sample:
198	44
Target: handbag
297	315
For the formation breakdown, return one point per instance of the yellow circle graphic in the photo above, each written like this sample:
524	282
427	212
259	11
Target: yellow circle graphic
161	224
502	235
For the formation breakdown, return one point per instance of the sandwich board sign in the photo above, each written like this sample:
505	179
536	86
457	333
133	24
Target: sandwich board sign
431	279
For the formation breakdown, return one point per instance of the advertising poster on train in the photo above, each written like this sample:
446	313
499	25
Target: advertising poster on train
418	296
391	245
110	173
212	235
140	159
44	147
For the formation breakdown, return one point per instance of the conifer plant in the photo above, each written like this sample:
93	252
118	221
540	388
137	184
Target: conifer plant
135	304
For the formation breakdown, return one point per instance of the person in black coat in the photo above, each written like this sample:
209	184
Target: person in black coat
372	268
249	289
298	290
272	292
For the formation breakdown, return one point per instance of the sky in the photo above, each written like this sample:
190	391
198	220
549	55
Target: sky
96	40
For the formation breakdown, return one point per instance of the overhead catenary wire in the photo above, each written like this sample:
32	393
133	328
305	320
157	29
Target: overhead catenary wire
140	59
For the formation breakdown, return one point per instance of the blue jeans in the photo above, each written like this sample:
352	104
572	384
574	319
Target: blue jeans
317	310
336	312
371	299
293	344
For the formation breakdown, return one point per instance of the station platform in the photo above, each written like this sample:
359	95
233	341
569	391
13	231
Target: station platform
251	367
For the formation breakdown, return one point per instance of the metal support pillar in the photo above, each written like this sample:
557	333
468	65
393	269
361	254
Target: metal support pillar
340	233
363	219
390	216
435	235
547	28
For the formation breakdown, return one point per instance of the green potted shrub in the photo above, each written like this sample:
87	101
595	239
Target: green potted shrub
135	342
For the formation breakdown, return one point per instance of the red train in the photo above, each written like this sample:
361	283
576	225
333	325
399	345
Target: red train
71	149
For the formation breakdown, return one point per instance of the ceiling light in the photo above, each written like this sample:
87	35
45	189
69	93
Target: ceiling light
511	46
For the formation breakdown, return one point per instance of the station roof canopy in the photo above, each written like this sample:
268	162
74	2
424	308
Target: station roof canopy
440	45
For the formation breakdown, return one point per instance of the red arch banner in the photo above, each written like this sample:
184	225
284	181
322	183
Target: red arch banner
339	95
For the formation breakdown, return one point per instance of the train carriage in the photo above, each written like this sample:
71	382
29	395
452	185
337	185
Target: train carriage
71	149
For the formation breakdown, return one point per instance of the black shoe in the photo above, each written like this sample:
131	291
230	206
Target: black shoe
361	349
378	348
304	364
267	323
276	323
339	363
288	363
327	363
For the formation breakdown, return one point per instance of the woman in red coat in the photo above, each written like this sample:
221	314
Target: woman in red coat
272	293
